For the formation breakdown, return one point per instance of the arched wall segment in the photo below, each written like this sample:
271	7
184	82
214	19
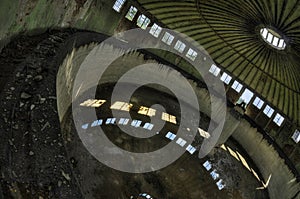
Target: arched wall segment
282	184
31	16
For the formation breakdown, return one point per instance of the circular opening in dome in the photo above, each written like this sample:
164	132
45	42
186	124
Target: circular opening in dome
273	38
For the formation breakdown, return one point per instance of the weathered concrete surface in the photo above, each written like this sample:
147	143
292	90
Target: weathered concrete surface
36	16
282	184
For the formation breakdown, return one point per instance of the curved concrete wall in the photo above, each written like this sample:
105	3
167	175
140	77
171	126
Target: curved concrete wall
282	183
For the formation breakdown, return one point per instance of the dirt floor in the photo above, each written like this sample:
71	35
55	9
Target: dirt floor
185	178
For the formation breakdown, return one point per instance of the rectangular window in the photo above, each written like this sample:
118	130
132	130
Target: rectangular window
118	5
148	126
191	54
124	121
143	21
278	119
214	174
207	165
155	30
226	78
170	135
136	123
296	136
237	86
97	123
268	111
191	149
181	142
220	184
258	102
168	38
131	13
179	46
214	70
110	121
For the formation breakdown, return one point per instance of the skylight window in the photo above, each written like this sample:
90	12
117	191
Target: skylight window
268	111
237	86
214	70
275	41
264	32
191	54
118	5
179	46
143	21
278	119
296	136
273	38
131	13
281	43
155	30
168	38
226	78
270	38
258	102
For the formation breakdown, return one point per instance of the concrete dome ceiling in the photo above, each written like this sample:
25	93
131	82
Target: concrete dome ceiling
230	31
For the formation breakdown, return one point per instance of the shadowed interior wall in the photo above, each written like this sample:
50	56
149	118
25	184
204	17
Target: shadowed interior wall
282	184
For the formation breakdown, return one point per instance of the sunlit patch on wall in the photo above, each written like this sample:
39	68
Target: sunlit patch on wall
93	103
169	118
203	133
147	111
122	106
